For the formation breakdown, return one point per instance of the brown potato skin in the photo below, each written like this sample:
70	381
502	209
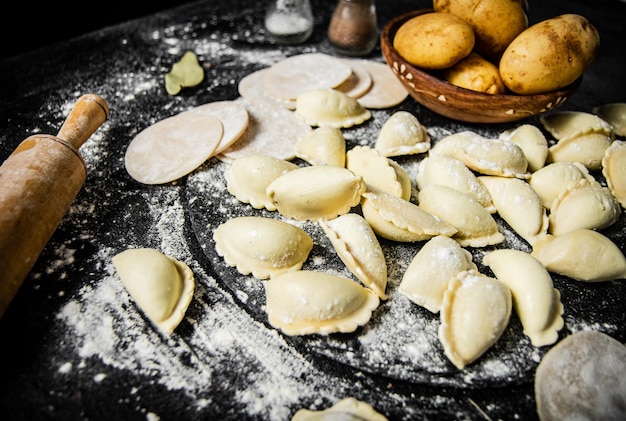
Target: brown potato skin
434	41
495	22
476	73
549	55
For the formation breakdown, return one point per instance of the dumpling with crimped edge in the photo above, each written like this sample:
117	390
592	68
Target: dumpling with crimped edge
307	302
533	143
346	409
316	192
426	279
402	134
247	178
586	204
519	205
448	171
161	285
570	124
260	246
535	300
475	311
330	107
614	170
614	114
397	219
379	172
474	224
588	149
484	155
582	254
323	146
549	181
356	244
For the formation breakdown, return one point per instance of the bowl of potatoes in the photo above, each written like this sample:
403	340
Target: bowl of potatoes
454	68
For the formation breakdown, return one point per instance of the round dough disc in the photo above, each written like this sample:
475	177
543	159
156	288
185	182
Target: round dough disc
173	147
359	81
272	131
251	89
582	377
234	118
301	73
386	91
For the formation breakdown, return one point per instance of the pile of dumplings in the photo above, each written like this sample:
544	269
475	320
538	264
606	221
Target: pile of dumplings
546	194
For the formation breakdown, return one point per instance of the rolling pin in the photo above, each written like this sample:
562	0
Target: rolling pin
38	183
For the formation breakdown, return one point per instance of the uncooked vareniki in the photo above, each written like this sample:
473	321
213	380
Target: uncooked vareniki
309	302
426	279
476	309
581	254
262	246
357	246
535	300
161	286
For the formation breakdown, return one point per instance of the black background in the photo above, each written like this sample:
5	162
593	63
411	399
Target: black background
28	26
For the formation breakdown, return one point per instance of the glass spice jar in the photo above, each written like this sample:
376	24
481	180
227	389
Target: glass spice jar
353	29
289	21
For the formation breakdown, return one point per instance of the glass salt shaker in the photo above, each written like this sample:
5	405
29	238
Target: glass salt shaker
289	21
353	29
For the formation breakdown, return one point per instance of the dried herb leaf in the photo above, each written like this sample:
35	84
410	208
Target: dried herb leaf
185	73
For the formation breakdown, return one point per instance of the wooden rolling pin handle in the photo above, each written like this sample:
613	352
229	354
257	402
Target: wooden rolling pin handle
89	112
38	183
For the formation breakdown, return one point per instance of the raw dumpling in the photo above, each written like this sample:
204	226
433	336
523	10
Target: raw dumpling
583	377
323	146
316	192
426	279
379	172
549	181
474	224
248	177
571	124
614	170
588	149
397	219
447	171
161	286
535	300
348	409
475	311
533	143
587	204
262	246
615	115
309	302
519	205
357	246
581	254
402	134
484	155
329	107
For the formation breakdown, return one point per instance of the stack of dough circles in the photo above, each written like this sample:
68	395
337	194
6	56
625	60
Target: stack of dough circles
175	146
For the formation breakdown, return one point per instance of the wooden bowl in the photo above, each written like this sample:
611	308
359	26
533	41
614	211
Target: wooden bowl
459	103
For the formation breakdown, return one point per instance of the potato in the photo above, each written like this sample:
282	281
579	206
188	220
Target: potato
475	73
549	55
495	22
434	40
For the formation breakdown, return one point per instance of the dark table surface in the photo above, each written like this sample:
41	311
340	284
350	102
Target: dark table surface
74	345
